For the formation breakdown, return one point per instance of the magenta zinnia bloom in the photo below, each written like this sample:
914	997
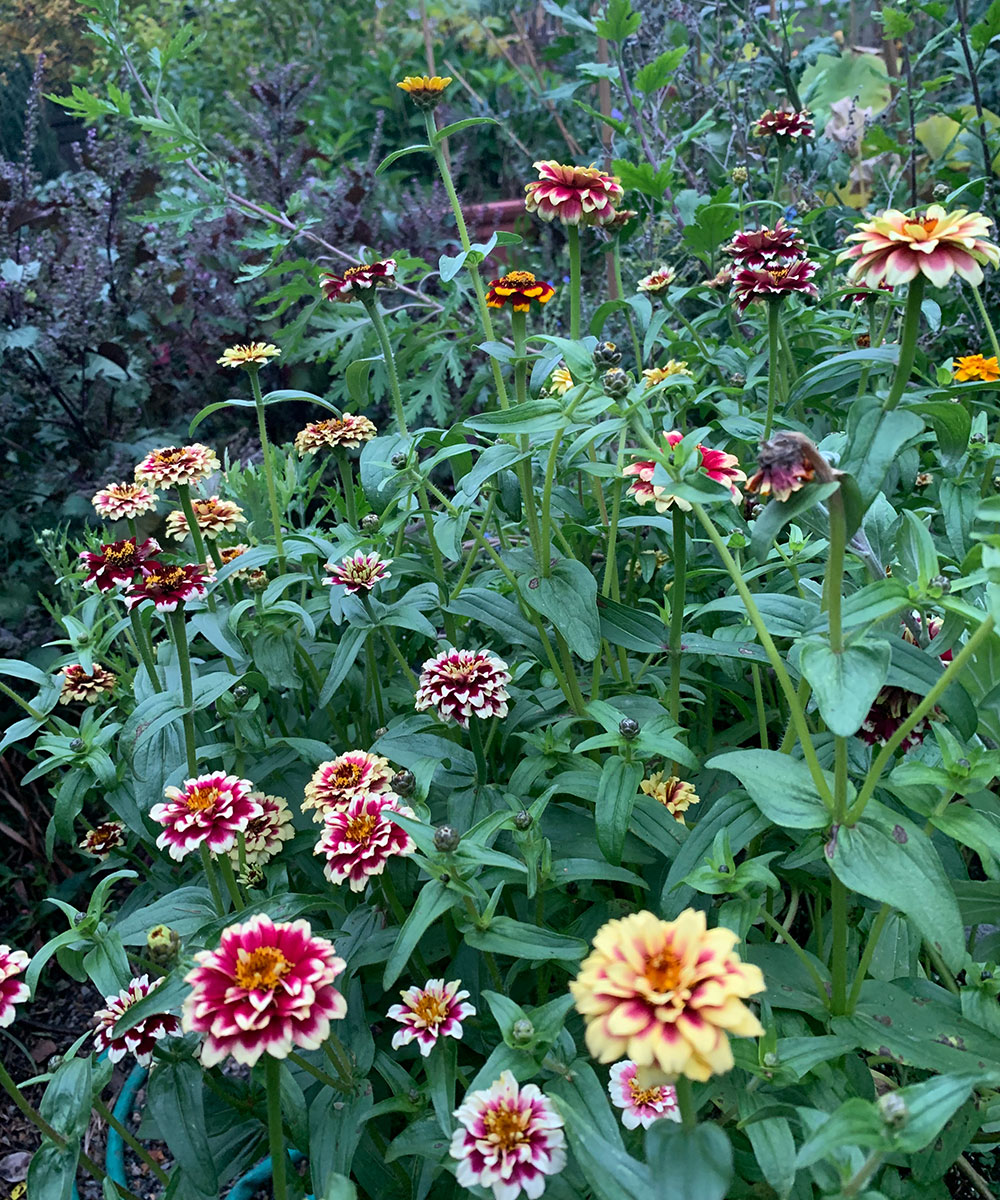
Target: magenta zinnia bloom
459	684
574	195
359	840
143	1036
774	283
103	838
175	466
168	586
358	572
358	283
263	837
427	1013
118	562
757	248
12	990
510	1139
212	809
336	783
87	686
119	501
268	988
641	1106
784	124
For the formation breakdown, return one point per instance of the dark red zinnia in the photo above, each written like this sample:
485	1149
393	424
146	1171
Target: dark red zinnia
168	586
773	283
118	562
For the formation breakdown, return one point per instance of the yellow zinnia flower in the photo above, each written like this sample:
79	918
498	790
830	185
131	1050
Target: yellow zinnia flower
655	375
253	354
974	366
426	91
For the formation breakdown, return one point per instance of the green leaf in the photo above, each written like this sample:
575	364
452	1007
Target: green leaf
432	901
618	21
780	786
348	649
611	1172
952	426
984	31
854	1123
741	820
875	440
357	376
777	514
836	371
978	830
658	73
568	597
713	225
846	684
396	154
642	177
504	935
931	1105
174	1099
52	1171
616	795
772	1142
698	1162
66	1102
457	126
533	416
915	547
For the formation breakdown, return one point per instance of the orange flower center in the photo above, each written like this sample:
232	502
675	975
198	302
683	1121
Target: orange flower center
346	774
200	798
518	279
430	1009
169	577
229	553
261	969
664	971
120	556
360	828
505	1126
354	272
641	1096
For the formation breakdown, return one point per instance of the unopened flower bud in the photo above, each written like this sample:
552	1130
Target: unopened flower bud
978	439
739	175
83	639
615	383
941	191
892	1109
241	693
942	583
76	745
607	354
524	820
628	728
446	839
771	1059
398	460
403	783
163	944
252	876
522	1031
964	764
737	379
256	580
370	523
381	732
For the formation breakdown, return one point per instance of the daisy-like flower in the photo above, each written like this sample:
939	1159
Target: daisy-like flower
717	464
120	501
784	124
227	554
337	782
141	1039
519	289
168	586
87	686
560	381
656	282
175	466
426	91
118	562
250	354
103	838
758	248
268	988
641	1106
573	195
870	295
358	572
459	684
360	283
773	283
975	366
721	279
675	794
430	1012
12	990
213	516
673	366
213	809
510	1138
357	841
897	248
666	994
346	433
621	218
264	835
782	468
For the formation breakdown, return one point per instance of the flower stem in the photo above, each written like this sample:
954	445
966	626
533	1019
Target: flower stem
616	260
347	481
908	343
317	1073
375	681
866	958
778	164
371	308
275	1133
213	883
179	633
838	952
518	324
773	335
229	879
28	708
677	593
184	493
137	1148
685	1102
476	738
575	282
987	322
338	1056
265	445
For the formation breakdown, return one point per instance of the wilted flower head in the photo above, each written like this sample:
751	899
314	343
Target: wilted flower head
118	562
519	289
87	686
103	838
212	808
847	124
784	464
121	501
459	684
346	433
430	1012
268	988
675	794
756	248
721	279
359	572
666	994
252	354
175	466
784	124
213	516
896	248
717	464
168	586
773	283
357	841
574	195
12	990
509	1139
673	366
264	835
656	282
360	283
426	91
620	219
641	1106
335	783
975	366
141	1039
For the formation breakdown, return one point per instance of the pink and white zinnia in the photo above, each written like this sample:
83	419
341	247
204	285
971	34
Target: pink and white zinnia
268	988
459	684
141	1039
212	809
641	1106
12	990
357	841
431	1012
510	1139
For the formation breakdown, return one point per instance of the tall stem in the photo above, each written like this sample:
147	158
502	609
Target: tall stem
616	258
987	322
519	330
908	343
275	1133
866	958
179	633
28	708
677	595
371	308
778	164
773	335
265	445
347	480
575	281
685	1102
838	953
213	883
476	738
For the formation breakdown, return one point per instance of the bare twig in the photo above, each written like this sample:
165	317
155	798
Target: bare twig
973	1176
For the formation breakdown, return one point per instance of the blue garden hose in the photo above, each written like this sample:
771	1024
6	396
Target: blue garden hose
245	1187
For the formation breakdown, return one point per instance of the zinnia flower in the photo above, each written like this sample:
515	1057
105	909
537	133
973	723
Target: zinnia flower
426	91
655	375
335	783
118	562
782	468
656	282
213	516
518	289
268	988
176	466
459	684
213	809
510	1139
975	366
228	554
757	248
141	1039
620	219
357	841
576	195
896	248
666	994
358	572
560	381
168	586
103	838
891	708
676	795
87	686
120	501
869	295
264	835
641	1106
12	990
427	1013
359	283
717	464
252	354
346	433
774	283
784	124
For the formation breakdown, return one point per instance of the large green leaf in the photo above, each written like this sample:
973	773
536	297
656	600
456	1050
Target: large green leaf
174	1099
504	935
846	684
780	786
616	795
698	1162
568	597
432	901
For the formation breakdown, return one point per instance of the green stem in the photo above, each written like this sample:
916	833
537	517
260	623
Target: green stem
265	445
338	1056
838	953
987	322
575	282
213	883
778	163
316	1073
137	1148
677	597
758	696
30	708
773	334
797	950
375	681
908	343
132	528
184	493
216	557
275	1133
616	258
371	308
476	738
470	561
878	925
179	633
229	879
347	480
685	1102
518	324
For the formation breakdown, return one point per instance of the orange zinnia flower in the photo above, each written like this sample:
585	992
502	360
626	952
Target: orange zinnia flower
519	289
974	366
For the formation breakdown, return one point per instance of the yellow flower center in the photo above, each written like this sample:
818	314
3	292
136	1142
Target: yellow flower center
359	829
171	455
200	798
229	553
505	1126
518	279
430	1009
664	971
120	556
261	969
354	272
641	1096
169	577
346	775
